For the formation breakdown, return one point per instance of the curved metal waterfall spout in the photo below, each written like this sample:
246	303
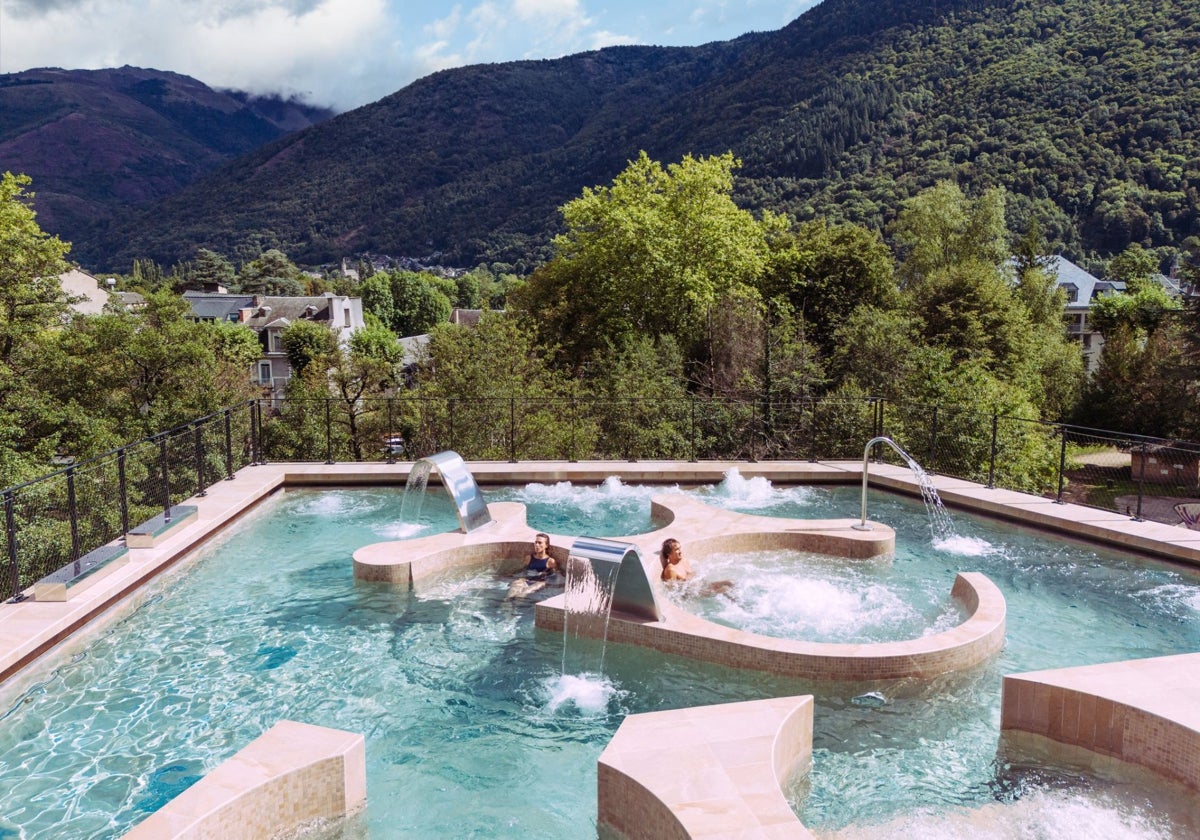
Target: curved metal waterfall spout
460	484
632	593
864	525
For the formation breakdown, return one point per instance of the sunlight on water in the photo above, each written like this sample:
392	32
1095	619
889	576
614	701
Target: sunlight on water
590	694
1044	815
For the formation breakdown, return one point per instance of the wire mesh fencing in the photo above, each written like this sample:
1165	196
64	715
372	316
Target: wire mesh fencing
53	521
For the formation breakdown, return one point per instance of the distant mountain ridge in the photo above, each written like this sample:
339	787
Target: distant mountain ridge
97	142
1082	109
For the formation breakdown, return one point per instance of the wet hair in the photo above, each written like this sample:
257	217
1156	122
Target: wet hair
665	552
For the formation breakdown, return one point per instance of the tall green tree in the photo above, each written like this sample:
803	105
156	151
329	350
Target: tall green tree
271	273
648	255
825	270
32	302
941	227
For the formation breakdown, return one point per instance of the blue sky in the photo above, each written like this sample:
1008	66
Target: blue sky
346	53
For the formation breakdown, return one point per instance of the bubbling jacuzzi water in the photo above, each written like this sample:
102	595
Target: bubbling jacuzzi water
472	727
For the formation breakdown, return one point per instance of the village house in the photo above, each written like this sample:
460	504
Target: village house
269	316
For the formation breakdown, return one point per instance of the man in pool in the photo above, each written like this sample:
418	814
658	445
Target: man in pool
675	567
538	570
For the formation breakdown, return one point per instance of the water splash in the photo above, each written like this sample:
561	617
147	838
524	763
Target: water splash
588	693
1047	815
414	492
736	492
964	546
940	522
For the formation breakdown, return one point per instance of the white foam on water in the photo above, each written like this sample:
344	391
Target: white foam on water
803	607
1176	597
587	497
964	546
588	693
737	491
1044	815
400	530
336	503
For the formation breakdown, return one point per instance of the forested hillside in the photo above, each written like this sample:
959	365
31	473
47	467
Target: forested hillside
1079	108
98	141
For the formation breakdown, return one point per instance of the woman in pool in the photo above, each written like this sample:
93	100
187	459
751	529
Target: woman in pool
537	571
540	564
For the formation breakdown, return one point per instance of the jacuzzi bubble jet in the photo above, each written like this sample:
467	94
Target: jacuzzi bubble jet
736	492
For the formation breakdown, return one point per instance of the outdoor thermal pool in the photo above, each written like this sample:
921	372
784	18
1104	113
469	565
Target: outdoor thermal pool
472	728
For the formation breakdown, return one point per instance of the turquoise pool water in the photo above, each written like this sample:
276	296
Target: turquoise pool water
473	731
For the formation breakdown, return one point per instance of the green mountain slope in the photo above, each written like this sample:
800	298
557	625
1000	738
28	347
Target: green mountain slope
1079	107
97	141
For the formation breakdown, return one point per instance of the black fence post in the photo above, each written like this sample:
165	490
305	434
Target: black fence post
512	430
1141	484
992	455
198	441
10	535
123	490
572	458
812	433
73	516
228	446
255	433
328	430
933	431
391	433
166	477
692	429
1062	464
755	430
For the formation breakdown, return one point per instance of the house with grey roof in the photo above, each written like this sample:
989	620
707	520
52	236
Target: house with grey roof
269	316
1081	289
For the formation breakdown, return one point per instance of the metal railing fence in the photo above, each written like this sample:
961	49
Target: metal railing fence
54	520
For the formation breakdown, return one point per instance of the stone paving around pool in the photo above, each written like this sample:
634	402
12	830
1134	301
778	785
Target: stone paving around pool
1140	712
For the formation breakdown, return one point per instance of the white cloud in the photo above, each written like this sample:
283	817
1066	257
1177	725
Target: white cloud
314	48
349	52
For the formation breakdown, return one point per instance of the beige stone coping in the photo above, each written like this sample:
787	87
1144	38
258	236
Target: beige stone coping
294	773
706	772
681	633
1145	712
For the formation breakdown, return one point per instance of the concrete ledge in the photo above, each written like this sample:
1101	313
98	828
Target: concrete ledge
681	633
293	774
706	772
156	528
61	584
1141	711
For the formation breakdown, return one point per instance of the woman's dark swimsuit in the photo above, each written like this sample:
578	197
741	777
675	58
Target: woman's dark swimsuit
537	569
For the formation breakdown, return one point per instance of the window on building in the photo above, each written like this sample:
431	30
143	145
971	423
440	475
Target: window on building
264	373
276	341
347	311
